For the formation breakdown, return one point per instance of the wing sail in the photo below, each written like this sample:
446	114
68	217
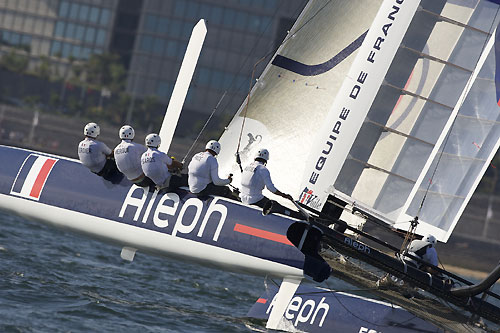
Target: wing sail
432	129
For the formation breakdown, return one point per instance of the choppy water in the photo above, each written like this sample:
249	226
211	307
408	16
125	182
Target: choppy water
55	281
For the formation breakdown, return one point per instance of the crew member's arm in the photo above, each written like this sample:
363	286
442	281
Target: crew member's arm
214	173
270	186
172	164
106	150
175	165
431	257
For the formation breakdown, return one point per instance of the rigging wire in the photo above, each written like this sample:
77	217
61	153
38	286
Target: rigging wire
204	126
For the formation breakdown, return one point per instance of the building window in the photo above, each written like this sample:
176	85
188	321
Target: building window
216	15
162	25
175	28
217	79
105	15
204	10
26	40
229	15
242	20
192	9
66	50
150	22
187	28
101	37
172	48
94	14
15	38
55	49
180	8
76	51
90	35
64	9
59	30
146	43
204	76
228	80
269	3
84	13
158	46
73	11
80	32
70	31
181	51
86	53
164	89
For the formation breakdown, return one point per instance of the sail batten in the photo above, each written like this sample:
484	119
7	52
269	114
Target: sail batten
407	92
374	167
454	22
436	59
392	130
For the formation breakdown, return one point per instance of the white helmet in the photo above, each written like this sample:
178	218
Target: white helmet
430	239
153	140
127	132
92	130
213	146
262	153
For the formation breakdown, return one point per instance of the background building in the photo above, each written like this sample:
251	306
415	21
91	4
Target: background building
151	36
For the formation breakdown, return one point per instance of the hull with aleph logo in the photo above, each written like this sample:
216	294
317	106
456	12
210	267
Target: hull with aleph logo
315	309
214	231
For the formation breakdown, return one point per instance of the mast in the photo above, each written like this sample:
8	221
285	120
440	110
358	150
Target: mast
348	111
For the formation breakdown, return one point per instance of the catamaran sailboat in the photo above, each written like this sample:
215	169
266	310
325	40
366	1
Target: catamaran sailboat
380	111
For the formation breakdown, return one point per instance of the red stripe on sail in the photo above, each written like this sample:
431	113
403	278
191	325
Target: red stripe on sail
41	178
262	234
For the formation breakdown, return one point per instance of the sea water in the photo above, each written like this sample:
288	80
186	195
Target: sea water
56	281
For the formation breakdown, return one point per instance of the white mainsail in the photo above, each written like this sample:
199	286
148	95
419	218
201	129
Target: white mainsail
433	128
291	98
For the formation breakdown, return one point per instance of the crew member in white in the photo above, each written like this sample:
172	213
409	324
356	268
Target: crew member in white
156	164
94	154
128	157
254	178
424	249
203	173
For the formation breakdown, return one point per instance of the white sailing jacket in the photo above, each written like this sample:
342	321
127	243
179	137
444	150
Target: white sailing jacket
128	158
203	170
92	154
155	165
429	256
254	178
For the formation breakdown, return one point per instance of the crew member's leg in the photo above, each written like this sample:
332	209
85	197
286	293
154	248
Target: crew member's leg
143	182
178	181
274	207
